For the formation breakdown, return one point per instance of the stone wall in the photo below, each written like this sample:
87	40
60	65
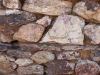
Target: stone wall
49	37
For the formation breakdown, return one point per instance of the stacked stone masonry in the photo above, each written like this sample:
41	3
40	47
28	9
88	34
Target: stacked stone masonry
49	37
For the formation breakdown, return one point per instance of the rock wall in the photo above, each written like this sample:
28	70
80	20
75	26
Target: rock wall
49	37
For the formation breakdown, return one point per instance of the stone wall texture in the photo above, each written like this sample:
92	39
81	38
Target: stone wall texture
49	37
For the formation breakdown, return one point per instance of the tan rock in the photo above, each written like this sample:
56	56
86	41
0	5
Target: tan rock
48	7
88	10
45	21
87	67
43	57
29	33
31	70
24	61
13	4
92	33
66	30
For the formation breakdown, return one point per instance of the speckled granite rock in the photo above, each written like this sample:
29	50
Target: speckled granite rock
48	7
66	30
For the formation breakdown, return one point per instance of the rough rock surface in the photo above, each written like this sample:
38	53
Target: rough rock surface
15	17
69	55
3	47
1	4
13	4
24	61
31	70
87	67
18	53
29	33
92	33
7	32
95	56
60	68
66	30
5	65
43	57
45	21
88	10
48	7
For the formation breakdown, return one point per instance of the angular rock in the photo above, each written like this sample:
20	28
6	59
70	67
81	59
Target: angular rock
24	61
9	58
29	33
7	32
13	65
13	4
31	70
15	18
66	30
69	55
18	53
72	47
60	67
95	56
92	33
45	21
87	67
48	7
5	65
88	10
43	57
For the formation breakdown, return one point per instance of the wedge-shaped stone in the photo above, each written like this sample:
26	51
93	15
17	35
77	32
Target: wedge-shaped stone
87	67
48	7
15	17
66	30
13	4
92	33
43	57
29	33
60	67
31	70
88	10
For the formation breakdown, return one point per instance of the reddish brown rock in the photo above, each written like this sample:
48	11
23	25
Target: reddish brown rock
1	4
18	53
69	55
29	33
88	10
13	4
48	7
60	67
87	67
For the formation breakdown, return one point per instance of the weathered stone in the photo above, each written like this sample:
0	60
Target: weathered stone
3	47
15	18
1	4
95	56
43	57
45	21
72	47
18	53
13	4
66	30
7	32
13	65
13	73
29	33
91	47
60	67
5	65
48	7
9	58
88	10
69	55
86	67
92	33
24	61
30	70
